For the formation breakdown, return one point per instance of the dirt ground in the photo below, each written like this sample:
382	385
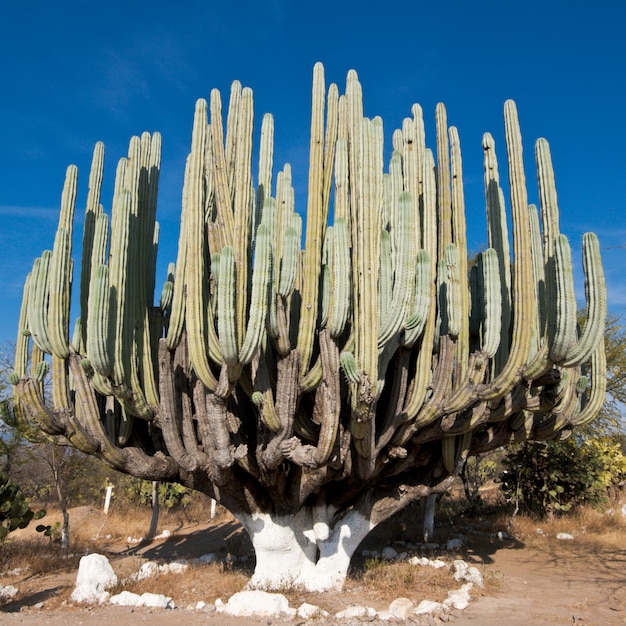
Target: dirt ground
543	581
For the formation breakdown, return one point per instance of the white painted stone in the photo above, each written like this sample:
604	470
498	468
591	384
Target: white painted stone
459	598
255	603
200	605
454	544
147	570
95	576
389	554
464	573
564	536
401	608
356	610
437	564
175	567
7	593
156	600
310	611
428	607
126	598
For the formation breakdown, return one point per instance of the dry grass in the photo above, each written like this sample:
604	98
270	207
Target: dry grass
376	580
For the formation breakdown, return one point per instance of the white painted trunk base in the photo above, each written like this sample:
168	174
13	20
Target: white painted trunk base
302	550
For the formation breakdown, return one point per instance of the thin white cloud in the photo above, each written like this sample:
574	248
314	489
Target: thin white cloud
29	212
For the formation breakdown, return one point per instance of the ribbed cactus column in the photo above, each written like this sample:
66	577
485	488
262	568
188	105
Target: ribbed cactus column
314	390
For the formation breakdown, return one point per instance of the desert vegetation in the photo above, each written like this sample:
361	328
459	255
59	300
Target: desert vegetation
313	392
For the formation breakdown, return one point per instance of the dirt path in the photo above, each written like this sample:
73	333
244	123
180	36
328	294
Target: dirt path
550	582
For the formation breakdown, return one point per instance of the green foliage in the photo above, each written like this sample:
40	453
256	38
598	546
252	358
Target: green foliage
552	477
15	511
170	494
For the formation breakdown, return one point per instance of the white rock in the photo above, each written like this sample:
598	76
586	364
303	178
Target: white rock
356	610
175	567
419	560
156	600
426	607
401	608
437	563
147	570
255	603
454	544
459	568
502	535
539	531
564	536
95	576
7	593
459	598
624	510
200	605
310	611
126	598
389	554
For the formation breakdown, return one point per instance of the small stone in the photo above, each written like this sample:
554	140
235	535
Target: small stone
564	536
454	544
401	608
428	607
389	554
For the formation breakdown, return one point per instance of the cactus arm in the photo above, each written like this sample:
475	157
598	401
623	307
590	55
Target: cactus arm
595	292
258	303
92	211
38	302
58	304
242	207
523	285
597	396
340	293
328	404
562	316
97	322
196	315
226	328
498	240
233	134
224	223
416	397
177	313
459	229
314	225
444	204
404	277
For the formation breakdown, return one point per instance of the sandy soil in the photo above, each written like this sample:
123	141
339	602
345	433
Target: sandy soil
547	582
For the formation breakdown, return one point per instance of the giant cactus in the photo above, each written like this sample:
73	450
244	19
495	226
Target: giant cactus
313	392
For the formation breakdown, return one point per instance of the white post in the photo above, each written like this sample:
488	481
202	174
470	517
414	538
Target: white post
429	517
107	499
213	507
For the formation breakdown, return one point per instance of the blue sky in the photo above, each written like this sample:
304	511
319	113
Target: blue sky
75	72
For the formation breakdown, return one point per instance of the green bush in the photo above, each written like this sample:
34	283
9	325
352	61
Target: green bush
554	476
15	511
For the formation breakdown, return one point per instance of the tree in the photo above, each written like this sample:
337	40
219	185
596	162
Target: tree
588	467
312	392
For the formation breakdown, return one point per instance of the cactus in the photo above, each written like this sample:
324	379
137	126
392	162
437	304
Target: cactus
298	386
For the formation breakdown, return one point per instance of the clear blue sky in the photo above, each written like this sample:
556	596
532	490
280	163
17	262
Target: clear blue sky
75	72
